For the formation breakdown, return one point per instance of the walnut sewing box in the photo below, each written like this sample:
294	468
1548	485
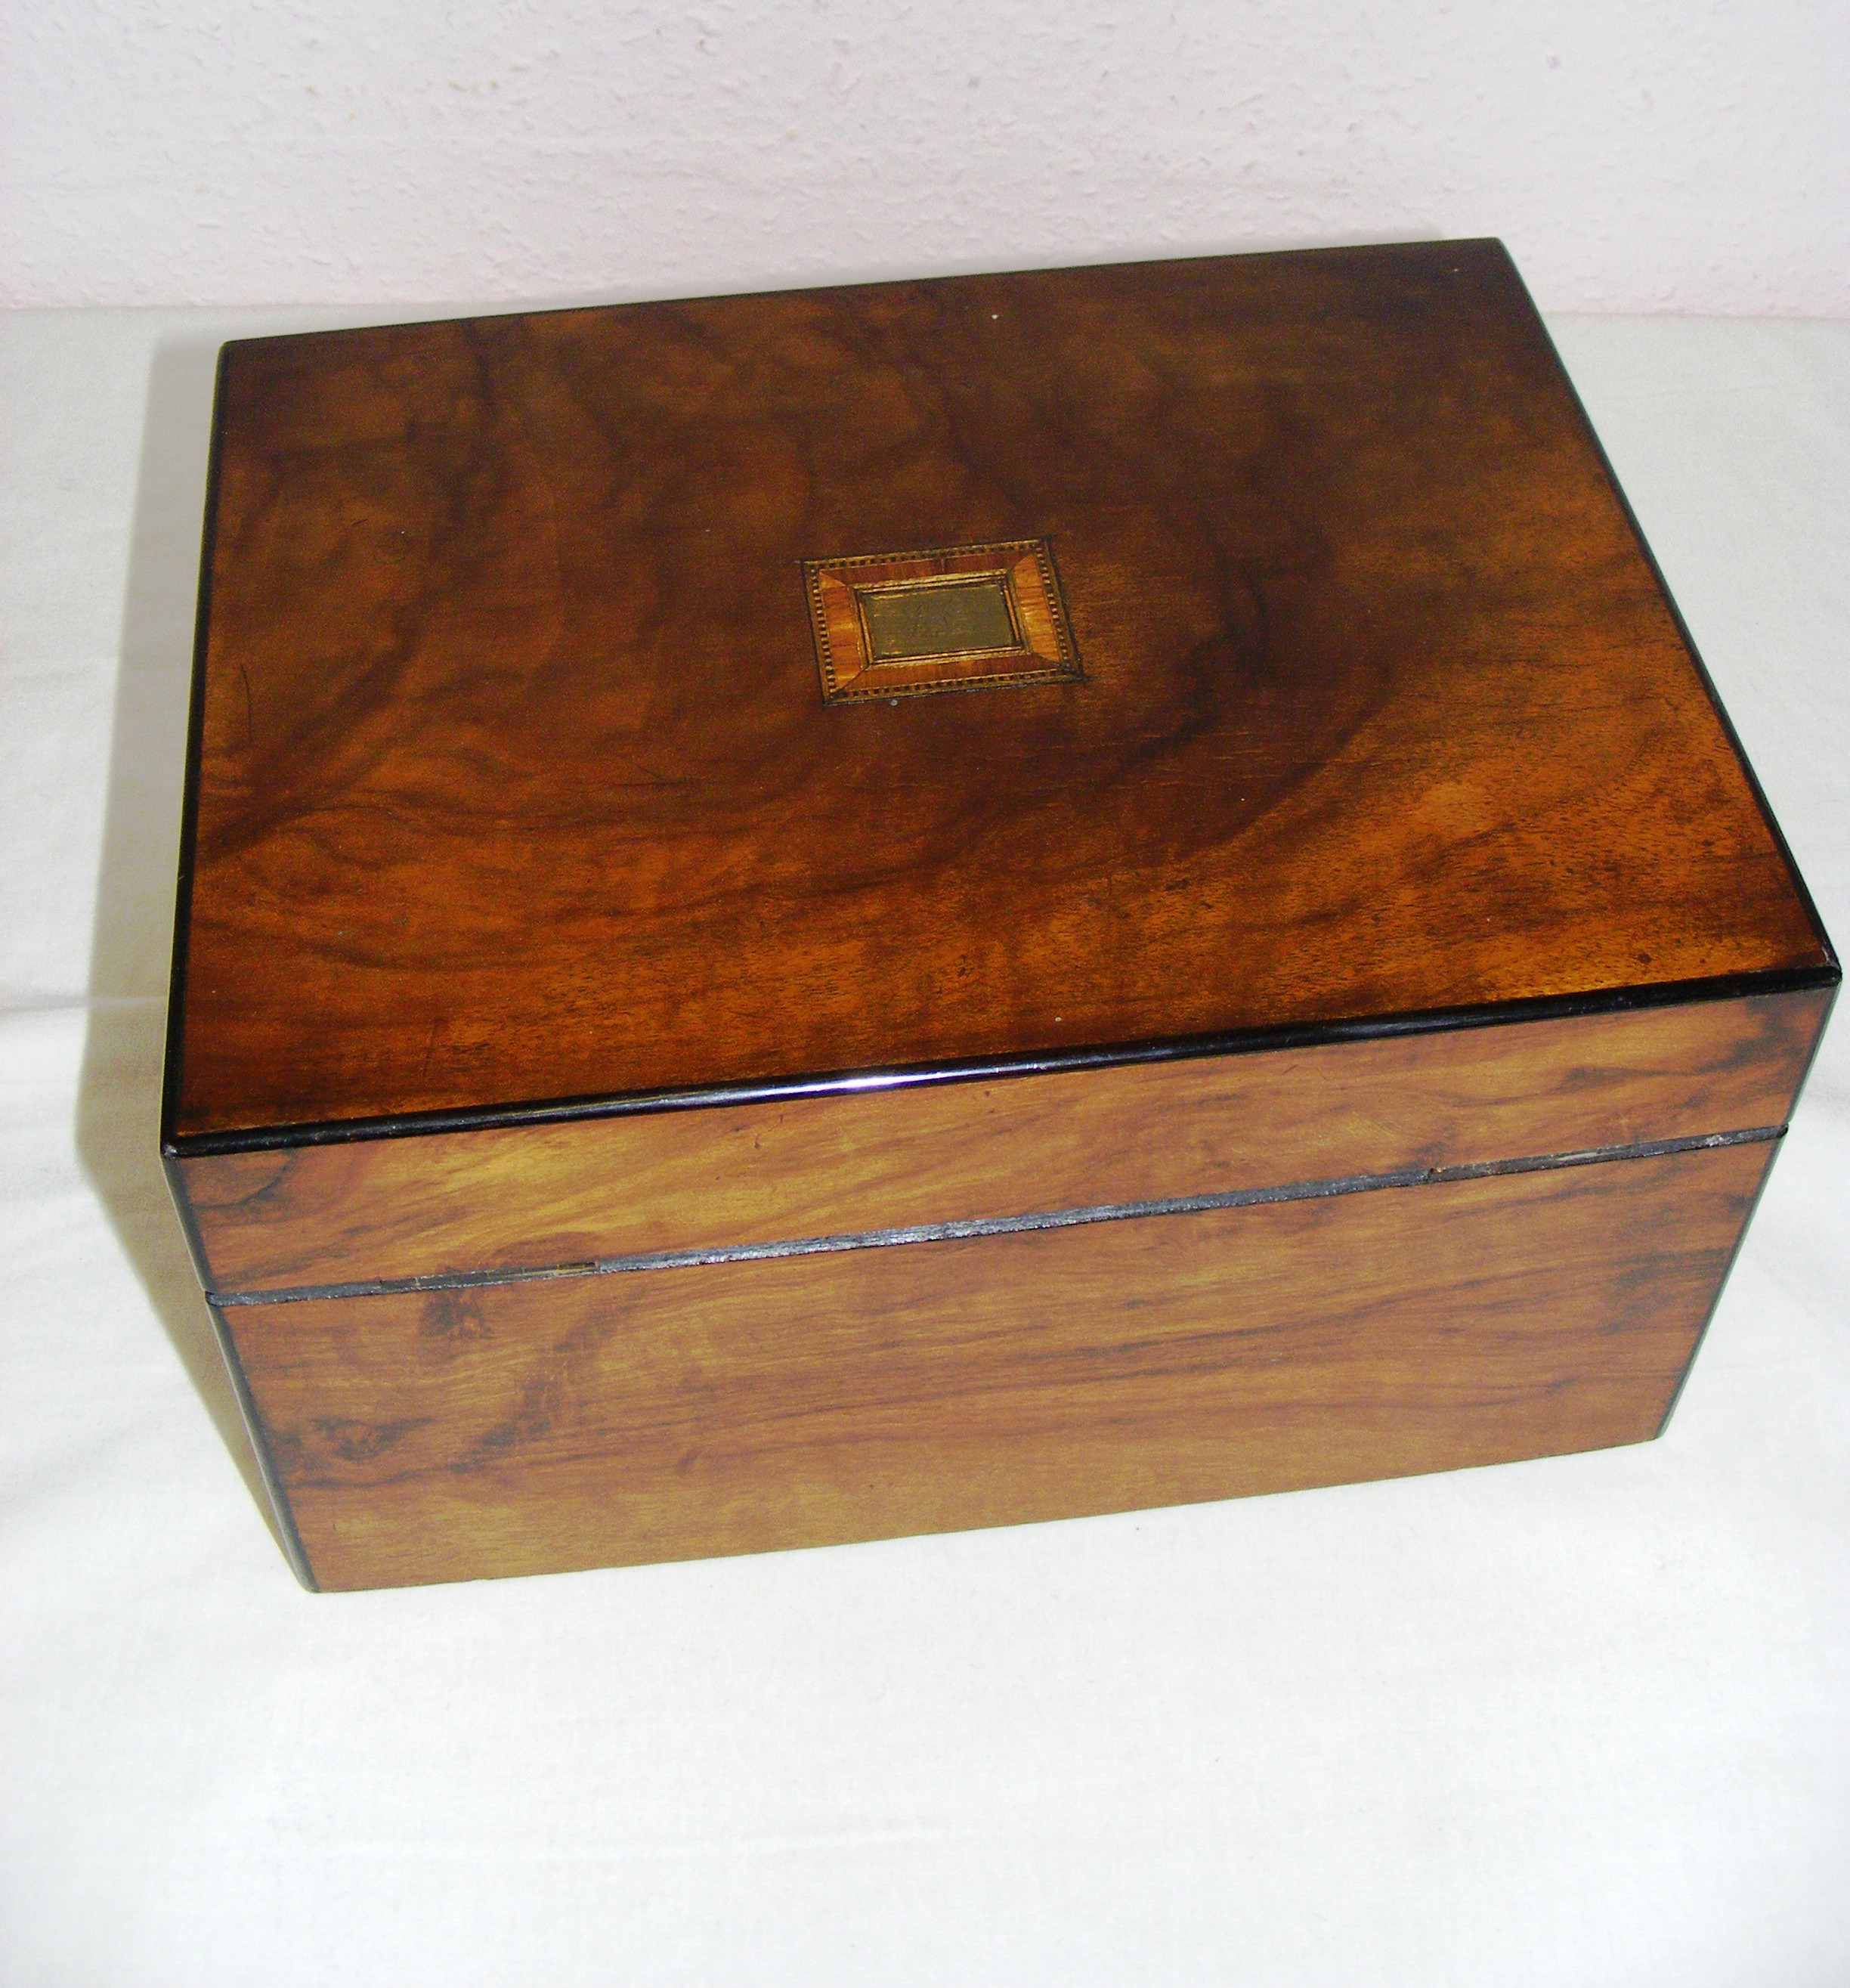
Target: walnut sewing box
812	917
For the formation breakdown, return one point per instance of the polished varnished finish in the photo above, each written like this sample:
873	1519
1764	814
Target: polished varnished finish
733	1408
546	1195
814	917
514	782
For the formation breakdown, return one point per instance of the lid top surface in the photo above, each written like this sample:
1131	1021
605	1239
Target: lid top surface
531	764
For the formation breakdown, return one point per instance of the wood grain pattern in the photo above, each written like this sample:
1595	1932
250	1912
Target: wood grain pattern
739	1408
514	782
536	1196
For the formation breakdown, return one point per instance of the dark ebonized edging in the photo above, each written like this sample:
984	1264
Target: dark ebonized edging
1721	1285
1247	1041
288	1537
195	745
1796	877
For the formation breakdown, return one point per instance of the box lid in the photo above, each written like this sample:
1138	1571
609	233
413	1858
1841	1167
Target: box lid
605	708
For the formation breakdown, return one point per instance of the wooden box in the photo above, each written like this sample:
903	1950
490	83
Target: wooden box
812	917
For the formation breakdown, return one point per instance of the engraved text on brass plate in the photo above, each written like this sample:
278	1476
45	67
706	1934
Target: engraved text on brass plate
956	617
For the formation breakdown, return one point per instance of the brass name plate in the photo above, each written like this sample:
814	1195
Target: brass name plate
949	616
953	617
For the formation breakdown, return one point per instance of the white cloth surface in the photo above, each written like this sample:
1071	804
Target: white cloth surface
1583	1721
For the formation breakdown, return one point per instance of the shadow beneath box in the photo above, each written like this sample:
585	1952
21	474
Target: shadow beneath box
119	1091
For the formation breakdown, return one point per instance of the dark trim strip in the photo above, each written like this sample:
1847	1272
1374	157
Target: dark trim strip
287	1537
1006	1224
1701	668
195	744
1721	1286
1740	1240
1817	1042
1244	1041
189	1224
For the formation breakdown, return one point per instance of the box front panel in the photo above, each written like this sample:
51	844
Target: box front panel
595	1420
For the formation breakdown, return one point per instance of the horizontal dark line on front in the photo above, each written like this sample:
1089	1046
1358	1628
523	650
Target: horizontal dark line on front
1002	1224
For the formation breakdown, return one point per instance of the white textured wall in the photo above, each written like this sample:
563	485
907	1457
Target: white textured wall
1636	155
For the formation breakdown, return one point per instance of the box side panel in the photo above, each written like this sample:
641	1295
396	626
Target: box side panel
542	1196
741	1407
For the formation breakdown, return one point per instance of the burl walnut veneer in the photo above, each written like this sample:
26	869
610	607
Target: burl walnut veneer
824	915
